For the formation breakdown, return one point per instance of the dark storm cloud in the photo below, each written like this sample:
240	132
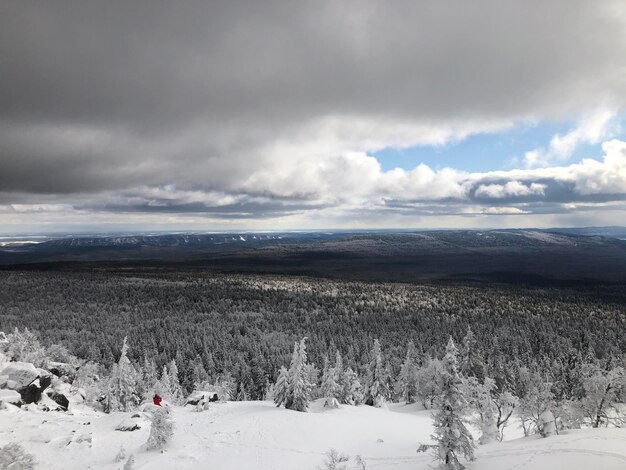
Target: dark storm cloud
260	99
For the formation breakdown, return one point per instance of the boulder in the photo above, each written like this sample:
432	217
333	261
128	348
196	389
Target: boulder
129	424
19	374
201	397
10	396
59	399
63	370
26	379
32	393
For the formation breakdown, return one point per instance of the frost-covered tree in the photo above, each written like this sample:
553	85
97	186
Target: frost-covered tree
149	376
330	389
25	346
123	388
407	380
602	390
299	392
164	386
161	430
471	359
484	410
130	463
352	390
14	456
199	374
505	403
376	384
453	440
429	383
533	406
176	391
88	383
281	388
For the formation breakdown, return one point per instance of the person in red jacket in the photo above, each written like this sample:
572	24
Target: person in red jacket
156	399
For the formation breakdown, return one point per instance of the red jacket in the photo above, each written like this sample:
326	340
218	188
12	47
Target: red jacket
156	400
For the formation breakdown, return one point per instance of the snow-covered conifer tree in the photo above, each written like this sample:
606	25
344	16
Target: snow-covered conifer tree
176	391
453	440
161	430
376	387
352	389
298	396
149	376
330	390
164	386
123	390
281	389
471	363
407	381
480	401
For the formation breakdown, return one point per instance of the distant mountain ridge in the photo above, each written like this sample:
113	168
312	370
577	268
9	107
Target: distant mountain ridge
535	256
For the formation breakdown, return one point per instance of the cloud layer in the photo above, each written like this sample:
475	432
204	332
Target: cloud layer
249	111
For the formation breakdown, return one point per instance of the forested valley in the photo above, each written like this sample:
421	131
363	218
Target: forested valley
243	328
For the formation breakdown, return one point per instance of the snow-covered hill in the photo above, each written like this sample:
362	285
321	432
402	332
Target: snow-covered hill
259	436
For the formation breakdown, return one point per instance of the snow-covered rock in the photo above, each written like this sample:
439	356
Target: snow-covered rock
129	424
63	370
25	378
19	374
10	396
202	395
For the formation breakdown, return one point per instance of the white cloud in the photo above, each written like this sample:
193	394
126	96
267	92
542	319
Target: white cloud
512	188
591	130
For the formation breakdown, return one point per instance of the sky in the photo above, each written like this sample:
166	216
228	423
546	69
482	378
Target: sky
274	115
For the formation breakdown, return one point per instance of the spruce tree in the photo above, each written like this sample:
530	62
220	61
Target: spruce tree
376	383
123	389
407	382
176	391
281	389
299	387
472	364
453	440
161	430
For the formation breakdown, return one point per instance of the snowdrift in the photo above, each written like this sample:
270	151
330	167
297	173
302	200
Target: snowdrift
259	436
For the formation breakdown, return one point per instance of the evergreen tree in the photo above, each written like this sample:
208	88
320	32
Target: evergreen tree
376	389
161	430
479	398
452	437
176	391
407	381
198	375
281	388
330	389
299	386
352	389
123	390
149	376
472	364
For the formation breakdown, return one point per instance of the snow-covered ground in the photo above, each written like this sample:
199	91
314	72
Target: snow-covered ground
257	435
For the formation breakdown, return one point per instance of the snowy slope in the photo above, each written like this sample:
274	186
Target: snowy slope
257	435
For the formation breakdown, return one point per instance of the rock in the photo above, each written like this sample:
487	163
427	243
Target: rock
201	397
19	374
63	370
10	396
129	424
32	393
26	379
59	399
331	403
